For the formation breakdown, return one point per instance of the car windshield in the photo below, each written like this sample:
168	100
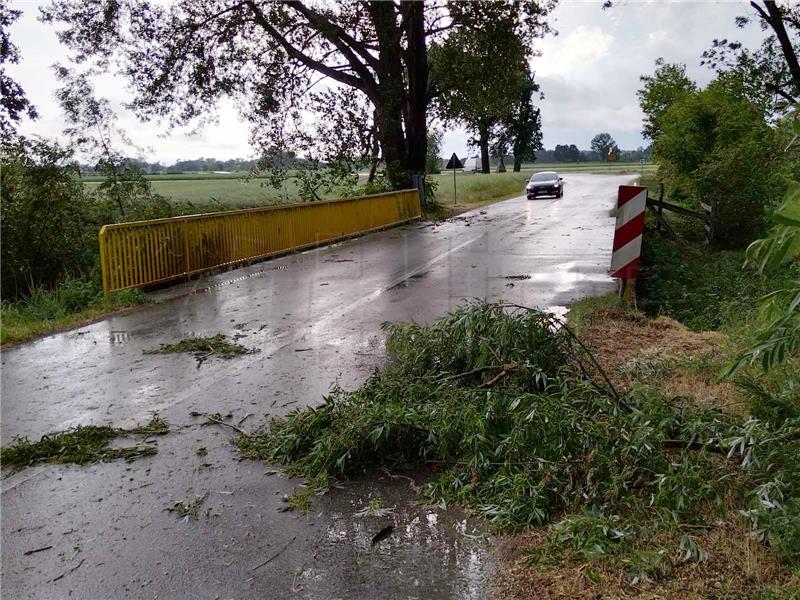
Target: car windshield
545	176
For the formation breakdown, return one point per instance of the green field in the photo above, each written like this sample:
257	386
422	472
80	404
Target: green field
233	190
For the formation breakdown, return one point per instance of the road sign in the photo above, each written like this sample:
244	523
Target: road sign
631	202
454	163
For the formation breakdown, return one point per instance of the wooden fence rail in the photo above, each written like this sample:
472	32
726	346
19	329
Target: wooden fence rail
709	216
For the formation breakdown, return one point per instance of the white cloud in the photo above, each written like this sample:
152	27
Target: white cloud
577	50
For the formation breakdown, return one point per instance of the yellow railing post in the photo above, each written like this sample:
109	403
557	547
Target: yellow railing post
101	238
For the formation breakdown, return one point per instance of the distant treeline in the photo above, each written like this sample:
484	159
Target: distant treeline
185	166
561	153
571	153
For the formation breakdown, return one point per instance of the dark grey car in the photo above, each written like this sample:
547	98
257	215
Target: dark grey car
546	183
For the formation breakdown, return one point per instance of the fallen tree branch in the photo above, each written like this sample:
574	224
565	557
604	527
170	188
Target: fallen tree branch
563	325
684	445
496	379
480	370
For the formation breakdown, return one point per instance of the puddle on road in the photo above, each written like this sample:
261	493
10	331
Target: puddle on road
430	553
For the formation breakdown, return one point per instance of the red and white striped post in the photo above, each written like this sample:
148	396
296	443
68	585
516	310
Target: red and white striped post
631	203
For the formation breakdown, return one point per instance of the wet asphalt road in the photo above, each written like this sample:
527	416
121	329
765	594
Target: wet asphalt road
315	317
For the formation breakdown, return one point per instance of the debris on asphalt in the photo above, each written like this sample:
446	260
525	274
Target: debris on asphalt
203	348
68	571
300	501
82	445
526	276
375	508
217	419
189	510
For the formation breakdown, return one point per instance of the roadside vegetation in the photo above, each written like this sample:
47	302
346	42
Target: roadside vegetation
514	419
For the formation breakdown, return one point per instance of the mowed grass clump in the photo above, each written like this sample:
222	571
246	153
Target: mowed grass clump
217	345
496	400
82	445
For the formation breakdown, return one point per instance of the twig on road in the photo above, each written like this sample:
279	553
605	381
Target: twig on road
274	556
68	571
219	421
35	550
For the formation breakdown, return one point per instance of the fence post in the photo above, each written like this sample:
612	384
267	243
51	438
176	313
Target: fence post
419	182
711	221
185	231
104	264
660	207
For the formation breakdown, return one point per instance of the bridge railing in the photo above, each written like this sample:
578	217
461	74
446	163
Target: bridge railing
144	253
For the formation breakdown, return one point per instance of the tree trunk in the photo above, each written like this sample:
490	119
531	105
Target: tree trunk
390	96
483	143
776	22
501	168
416	58
517	163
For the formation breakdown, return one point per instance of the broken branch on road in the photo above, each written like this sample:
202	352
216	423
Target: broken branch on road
82	445
203	348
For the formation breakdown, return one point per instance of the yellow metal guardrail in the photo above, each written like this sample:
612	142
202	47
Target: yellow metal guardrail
148	252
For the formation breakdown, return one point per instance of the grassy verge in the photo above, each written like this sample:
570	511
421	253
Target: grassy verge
700	287
73	302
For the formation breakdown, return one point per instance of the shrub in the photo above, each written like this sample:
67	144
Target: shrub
48	230
716	147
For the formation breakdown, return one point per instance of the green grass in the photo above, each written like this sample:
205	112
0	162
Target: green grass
73	302
583	311
210	191
478	188
704	289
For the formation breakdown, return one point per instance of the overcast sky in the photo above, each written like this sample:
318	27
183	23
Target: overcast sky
589	74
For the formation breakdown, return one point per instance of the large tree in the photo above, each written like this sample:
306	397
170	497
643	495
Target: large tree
478	79
181	58
603	143
774	67
14	104
717	147
523	125
659	91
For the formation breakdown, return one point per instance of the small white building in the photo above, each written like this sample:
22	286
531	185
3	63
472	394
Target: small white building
472	164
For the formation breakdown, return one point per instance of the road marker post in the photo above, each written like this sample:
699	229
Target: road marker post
628	233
